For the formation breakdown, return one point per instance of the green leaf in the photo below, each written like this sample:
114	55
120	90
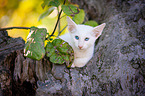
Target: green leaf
34	47
46	2
55	3
59	52
46	13
70	9
91	23
79	18
62	2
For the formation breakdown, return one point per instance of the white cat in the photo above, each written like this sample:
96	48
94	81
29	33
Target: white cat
82	40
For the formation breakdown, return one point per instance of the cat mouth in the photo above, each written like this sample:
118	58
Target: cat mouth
81	48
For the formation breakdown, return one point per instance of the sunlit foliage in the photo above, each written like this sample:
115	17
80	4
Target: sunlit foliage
25	13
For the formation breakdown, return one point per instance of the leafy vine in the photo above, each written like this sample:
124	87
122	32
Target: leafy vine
58	51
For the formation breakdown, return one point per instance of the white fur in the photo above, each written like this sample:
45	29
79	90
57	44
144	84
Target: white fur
83	50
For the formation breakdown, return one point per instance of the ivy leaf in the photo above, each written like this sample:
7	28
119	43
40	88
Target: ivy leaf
55	3
46	13
91	23
59	52
79	18
70	9
34	47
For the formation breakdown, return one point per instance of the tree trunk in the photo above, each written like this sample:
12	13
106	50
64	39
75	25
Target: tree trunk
117	67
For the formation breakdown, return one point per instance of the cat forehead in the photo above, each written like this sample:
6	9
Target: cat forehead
84	29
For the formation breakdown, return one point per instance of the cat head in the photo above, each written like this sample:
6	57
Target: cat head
84	36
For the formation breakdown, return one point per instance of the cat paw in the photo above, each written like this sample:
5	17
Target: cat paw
72	66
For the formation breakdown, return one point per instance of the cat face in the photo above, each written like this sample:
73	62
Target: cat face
84	36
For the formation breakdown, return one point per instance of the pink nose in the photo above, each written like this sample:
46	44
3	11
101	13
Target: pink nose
80	47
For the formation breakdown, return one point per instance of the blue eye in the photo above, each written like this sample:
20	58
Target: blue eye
77	37
86	39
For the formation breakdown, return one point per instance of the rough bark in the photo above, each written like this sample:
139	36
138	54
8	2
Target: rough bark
18	74
7	47
118	65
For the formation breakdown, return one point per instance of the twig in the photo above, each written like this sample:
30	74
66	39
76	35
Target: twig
9	28
57	20
56	23
61	31
63	16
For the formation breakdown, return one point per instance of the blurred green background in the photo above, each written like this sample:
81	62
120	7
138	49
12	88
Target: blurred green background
25	13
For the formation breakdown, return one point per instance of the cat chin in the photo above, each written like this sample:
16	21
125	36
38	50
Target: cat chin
81	49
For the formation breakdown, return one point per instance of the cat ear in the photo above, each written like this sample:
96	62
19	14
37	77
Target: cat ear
97	31
71	24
